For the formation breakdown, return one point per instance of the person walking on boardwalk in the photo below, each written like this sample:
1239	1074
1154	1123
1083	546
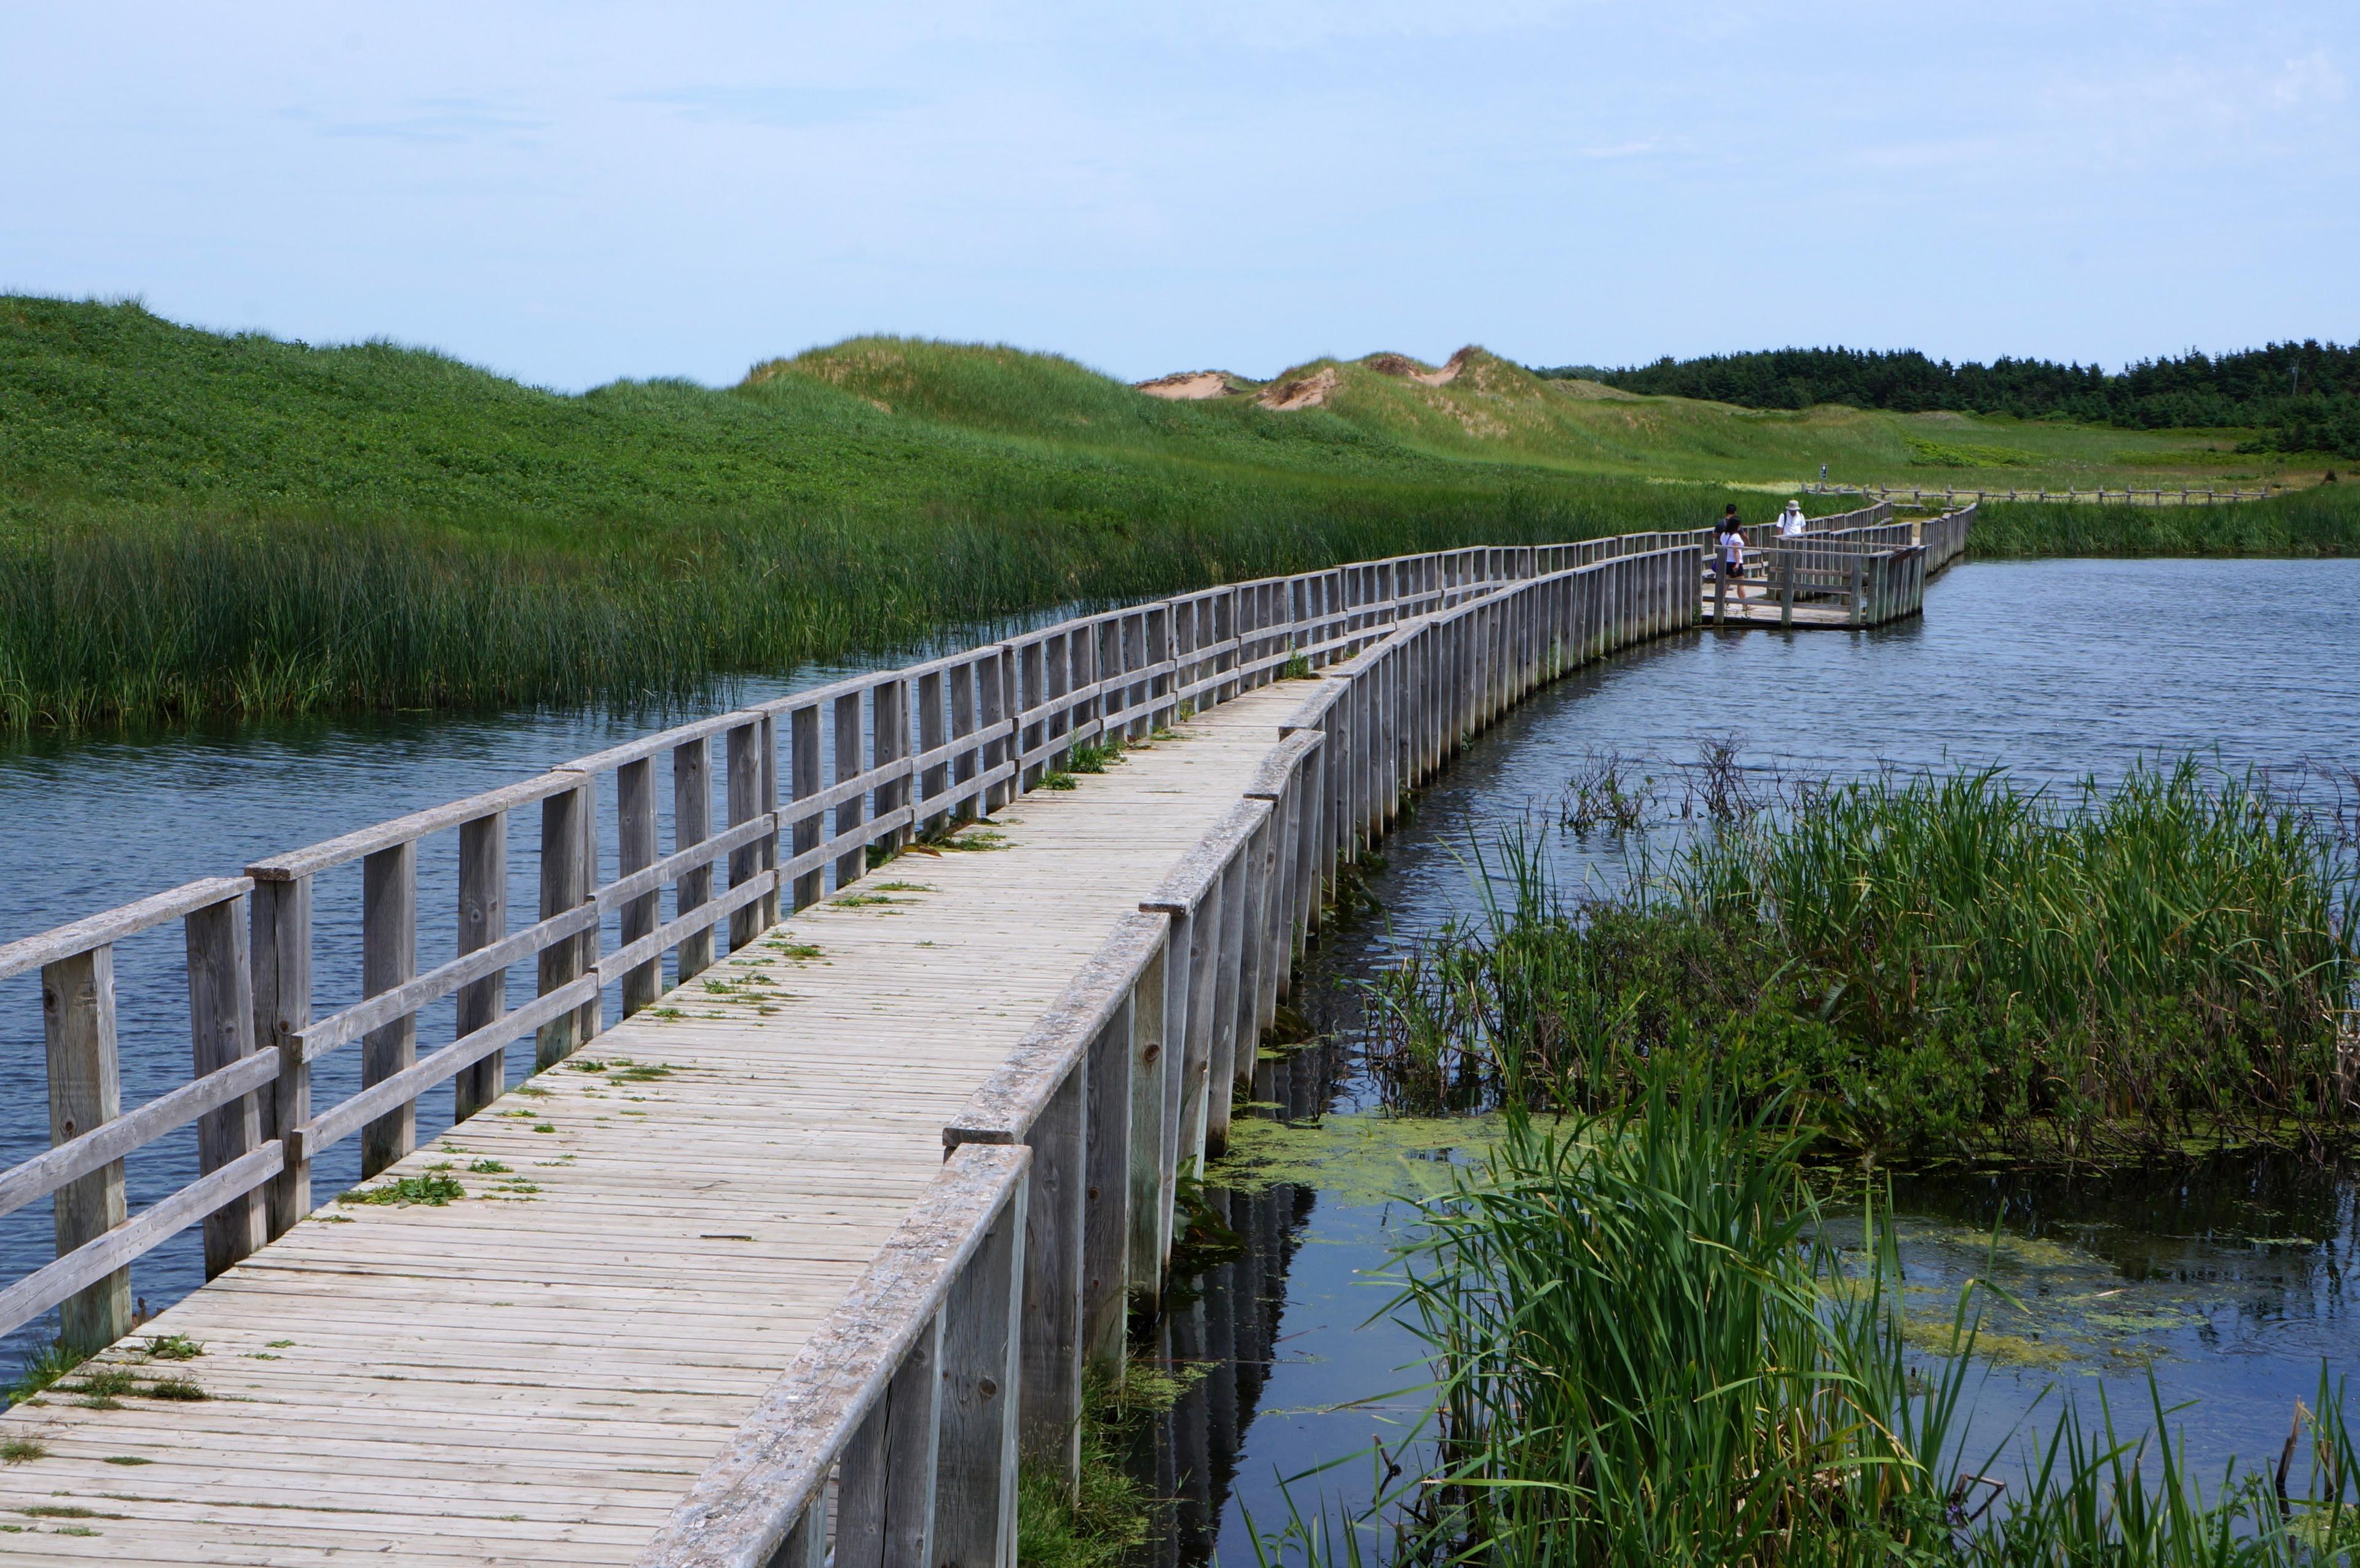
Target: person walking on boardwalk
1790	521
1729	551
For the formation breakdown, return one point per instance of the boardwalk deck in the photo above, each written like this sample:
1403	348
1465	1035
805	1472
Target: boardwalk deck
538	1376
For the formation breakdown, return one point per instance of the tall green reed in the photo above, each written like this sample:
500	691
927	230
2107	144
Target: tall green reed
1938	964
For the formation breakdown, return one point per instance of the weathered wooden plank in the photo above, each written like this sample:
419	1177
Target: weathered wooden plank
85	1092
220	1036
24	956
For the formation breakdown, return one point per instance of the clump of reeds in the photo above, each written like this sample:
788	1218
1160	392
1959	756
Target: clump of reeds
1646	1355
1943	964
1646	1359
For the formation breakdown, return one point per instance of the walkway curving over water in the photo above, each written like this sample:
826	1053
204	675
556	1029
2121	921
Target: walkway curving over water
705	1288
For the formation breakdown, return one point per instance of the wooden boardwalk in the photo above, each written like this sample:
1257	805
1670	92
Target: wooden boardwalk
790	1264
537	1372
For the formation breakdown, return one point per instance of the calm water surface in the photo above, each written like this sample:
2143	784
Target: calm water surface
2231	1282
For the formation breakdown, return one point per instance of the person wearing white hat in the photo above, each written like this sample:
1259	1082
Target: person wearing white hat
1790	521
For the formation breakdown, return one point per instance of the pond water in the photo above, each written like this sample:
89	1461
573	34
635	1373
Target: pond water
2231	1280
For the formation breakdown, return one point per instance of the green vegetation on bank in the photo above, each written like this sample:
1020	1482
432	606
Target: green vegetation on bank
1943	966
2320	521
1648	1354
194	524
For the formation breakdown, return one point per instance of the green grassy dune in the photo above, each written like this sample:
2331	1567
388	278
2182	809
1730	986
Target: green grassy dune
194	524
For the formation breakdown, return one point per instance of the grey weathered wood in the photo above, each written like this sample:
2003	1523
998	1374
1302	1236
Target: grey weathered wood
221	1034
805	780
767	808
636	848
564	885
86	1092
1221	1068
89	1273
1106	1221
37	1177
354	846
889	743
745	804
775	1468
932	736
1055	1202
1260	860
885	1488
968	767
692	824
280	943
974	1485
484	922
388	957
24	956
1153	1085
851	811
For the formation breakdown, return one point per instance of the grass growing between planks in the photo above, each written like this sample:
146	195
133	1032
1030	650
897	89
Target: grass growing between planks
1646	1356
1932	968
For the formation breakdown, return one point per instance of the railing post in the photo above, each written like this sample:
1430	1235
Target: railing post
1859	609
483	920
889	743
220	1031
766	803
745	804
966	762
388	957
802	740
86	1091
1054	1209
885	1489
996	700
853	861
635	850
281	952
974	1485
1786	589
692	824
1105	1218
1153	1070
564	883
932	736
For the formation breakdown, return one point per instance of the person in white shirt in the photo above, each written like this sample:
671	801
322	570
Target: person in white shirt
1729	553
1790	521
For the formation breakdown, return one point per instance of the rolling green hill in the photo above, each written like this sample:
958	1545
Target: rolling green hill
193	523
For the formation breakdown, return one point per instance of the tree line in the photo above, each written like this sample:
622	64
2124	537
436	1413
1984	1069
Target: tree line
2296	396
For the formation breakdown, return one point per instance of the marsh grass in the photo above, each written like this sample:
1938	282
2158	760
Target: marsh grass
1932	966
2322	522
193	525
1646	1353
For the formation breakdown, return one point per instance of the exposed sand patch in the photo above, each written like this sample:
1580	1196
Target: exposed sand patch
1298	391
1403	366
1191	385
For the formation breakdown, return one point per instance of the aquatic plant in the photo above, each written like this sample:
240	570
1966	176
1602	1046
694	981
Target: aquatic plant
1939	964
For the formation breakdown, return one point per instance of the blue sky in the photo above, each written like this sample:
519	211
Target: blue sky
574	193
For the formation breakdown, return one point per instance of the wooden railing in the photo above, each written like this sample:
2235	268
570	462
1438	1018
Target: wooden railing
971	1335
864	766
1128	1083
